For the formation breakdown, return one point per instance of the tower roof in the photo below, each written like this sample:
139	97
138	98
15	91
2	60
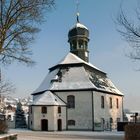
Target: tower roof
78	37
79	25
78	30
71	59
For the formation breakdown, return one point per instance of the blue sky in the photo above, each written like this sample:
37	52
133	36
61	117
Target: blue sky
107	49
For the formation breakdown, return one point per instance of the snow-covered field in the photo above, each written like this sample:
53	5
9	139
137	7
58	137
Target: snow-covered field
67	135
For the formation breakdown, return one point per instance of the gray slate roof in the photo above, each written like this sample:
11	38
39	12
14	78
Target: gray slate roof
76	78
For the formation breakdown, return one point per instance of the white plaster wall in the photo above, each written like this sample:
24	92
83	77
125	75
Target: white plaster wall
107	112
37	116
52	116
61	116
82	113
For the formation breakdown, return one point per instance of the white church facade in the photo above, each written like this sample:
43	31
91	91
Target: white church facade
76	95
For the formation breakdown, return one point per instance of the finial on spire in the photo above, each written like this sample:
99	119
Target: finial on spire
77	10
78	18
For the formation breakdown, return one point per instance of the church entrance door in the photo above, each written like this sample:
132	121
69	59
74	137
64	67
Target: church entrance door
44	125
59	124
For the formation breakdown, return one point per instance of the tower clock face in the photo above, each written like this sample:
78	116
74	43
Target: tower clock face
86	54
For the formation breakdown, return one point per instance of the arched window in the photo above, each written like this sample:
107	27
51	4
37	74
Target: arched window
111	120
110	102
59	109
80	43
102	102
117	103
44	109
71	101
71	122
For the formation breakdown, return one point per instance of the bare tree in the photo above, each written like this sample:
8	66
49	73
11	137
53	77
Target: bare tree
130	31
19	20
6	87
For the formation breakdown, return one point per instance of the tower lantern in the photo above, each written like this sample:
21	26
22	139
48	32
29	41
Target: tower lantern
78	37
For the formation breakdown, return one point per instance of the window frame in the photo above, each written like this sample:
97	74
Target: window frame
44	110
110	102
117	103
59	109
111	120
102	102
71	122
71	101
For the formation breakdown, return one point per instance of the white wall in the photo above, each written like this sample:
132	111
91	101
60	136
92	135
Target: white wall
61	116
82	113
51	115
107	112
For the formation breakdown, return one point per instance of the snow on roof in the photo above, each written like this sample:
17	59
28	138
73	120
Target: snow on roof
46	84
103	83
75	78
48	98
79	25
112	87
71	58
72	78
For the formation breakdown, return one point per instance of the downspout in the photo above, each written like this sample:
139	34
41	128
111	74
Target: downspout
122	109
66	118
92	100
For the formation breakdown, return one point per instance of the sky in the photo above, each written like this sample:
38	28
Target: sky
108	50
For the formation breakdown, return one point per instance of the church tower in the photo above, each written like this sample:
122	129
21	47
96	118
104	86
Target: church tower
78	37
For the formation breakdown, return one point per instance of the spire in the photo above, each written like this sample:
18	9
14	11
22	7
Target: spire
77	11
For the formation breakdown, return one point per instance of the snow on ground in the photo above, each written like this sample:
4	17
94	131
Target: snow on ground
24	134
80	133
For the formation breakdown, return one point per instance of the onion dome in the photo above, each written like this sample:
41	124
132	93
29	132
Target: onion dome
79	30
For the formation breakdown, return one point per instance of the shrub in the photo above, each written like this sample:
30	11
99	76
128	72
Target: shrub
3	127
132	132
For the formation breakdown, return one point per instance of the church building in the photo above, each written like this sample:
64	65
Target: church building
76	95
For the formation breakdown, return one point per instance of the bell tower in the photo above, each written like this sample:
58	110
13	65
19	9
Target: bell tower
78	37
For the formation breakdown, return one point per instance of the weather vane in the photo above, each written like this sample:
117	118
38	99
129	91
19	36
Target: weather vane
77	10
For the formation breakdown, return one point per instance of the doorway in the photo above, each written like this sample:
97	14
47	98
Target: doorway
59	124
44	125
